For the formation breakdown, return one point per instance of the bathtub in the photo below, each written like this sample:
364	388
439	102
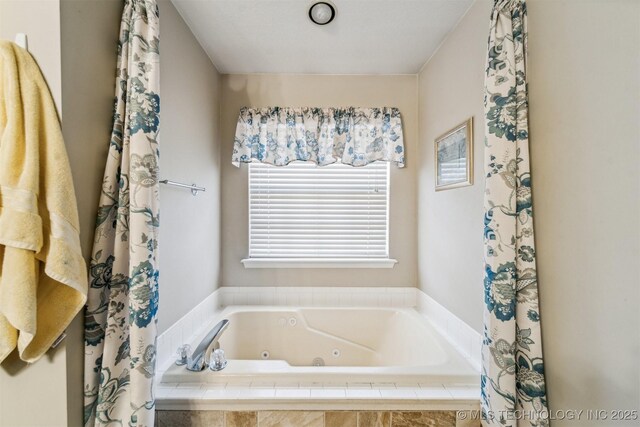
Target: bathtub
283	345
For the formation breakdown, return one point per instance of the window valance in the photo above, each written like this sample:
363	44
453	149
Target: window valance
353	136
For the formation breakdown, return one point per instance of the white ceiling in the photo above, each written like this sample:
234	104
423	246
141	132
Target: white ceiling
276	36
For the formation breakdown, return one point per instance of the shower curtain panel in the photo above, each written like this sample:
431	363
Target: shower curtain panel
120	318
513	384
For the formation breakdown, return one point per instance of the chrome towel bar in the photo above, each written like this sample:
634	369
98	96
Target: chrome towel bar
194	188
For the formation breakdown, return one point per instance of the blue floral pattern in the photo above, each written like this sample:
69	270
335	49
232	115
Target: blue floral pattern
352	136
512	365
121	312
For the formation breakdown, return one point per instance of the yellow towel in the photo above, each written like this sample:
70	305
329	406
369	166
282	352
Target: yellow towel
43	277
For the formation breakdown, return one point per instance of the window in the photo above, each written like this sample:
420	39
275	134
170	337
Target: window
303	215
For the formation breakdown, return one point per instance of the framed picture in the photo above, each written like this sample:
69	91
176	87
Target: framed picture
454	157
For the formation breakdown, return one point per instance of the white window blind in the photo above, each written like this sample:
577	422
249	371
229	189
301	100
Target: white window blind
331	212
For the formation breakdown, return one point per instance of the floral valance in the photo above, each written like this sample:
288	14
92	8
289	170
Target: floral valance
352	136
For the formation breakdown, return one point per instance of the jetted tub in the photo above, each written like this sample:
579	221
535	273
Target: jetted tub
284	345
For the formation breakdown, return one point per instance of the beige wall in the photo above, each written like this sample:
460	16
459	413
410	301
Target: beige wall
584	68
450	221
260	90
190	153
45	381
584	82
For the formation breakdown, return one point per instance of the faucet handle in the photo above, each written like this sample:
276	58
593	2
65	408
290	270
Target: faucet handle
183	353
218	361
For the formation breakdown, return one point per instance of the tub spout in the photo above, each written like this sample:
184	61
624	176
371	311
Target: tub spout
201	357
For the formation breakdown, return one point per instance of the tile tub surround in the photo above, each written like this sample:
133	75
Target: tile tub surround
193	325
186	331
265	394
437	418
462	336
375	418
241	419
340	419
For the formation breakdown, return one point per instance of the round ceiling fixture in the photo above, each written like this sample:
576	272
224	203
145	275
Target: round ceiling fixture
322	12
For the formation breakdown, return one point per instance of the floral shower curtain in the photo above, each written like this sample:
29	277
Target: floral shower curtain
120	317
513	383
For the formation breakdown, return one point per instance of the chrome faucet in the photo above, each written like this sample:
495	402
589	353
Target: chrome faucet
201	357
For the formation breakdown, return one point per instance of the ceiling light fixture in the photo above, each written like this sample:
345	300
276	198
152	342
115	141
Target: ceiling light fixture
322	12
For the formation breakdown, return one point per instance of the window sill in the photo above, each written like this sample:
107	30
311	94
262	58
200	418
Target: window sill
318	263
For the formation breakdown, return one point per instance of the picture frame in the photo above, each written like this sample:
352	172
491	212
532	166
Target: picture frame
454	157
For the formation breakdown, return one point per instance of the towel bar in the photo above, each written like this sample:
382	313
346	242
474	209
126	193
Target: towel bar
194	188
